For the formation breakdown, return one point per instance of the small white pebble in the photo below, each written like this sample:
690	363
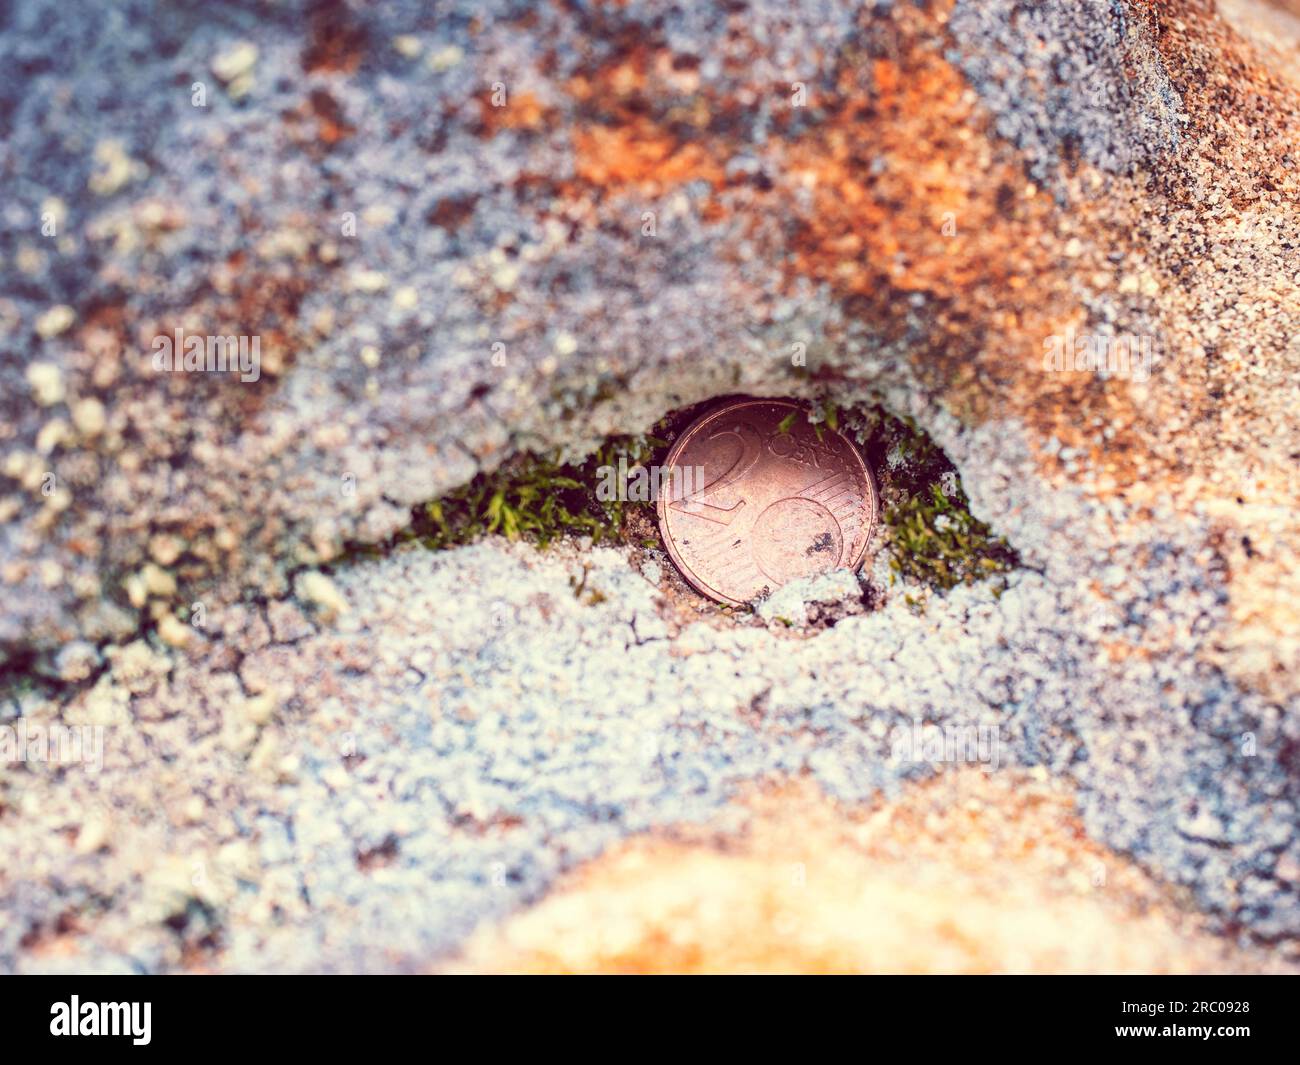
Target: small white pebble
319	590
93	835
368	281
58	319
261	708
46	381
235	61
446	58
407	44
88	416
174	632
158	581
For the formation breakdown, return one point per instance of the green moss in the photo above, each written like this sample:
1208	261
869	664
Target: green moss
933	539
579	584
534	497
937	541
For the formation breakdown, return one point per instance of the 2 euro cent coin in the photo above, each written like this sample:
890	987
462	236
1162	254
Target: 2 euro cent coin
756	497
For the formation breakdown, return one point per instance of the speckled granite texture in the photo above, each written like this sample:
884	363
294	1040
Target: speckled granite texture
315	759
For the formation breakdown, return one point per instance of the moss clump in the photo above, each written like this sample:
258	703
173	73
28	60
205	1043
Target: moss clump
534	497
938	542
934	540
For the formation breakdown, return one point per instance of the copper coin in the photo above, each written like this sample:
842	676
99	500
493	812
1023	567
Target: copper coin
757	498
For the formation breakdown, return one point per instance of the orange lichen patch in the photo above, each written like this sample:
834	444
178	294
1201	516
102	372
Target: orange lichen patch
641	155
971	872
1254	531
317	124
908	192
518	111
633	112
616	82
893	162
336	41
331	125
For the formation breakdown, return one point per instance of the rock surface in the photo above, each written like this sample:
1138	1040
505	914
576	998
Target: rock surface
355	769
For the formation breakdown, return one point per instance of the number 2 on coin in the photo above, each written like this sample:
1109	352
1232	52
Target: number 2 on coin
751	445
